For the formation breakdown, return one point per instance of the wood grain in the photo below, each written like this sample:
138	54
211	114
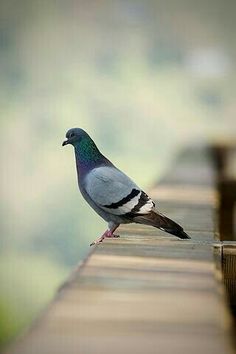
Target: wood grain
146	292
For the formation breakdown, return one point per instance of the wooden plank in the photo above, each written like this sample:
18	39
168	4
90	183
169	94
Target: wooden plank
109	306
194	195
147	291
225	161
124	301
229	271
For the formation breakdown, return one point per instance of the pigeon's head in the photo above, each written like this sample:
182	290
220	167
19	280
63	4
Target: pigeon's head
74	136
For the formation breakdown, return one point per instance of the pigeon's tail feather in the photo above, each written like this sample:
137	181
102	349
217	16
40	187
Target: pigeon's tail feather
161	222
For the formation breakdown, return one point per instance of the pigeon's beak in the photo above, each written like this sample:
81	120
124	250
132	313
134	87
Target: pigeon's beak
65	142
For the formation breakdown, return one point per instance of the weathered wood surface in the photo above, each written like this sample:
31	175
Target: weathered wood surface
229	271
225	161
146	292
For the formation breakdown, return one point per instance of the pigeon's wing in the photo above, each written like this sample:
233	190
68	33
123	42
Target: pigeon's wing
114	192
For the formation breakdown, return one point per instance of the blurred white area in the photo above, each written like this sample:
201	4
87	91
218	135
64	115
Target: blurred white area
209	63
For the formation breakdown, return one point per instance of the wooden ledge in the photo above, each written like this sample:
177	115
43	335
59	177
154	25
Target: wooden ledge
147	292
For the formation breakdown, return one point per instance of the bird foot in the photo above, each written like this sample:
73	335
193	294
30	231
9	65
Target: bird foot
108	234
95	242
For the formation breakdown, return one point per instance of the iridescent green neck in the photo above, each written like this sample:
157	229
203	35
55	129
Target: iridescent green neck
87	153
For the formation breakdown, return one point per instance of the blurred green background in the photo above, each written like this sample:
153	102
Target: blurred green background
144	78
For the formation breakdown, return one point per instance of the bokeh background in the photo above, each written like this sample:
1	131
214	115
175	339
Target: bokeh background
144	78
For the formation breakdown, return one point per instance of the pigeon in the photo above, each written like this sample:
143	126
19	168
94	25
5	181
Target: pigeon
111	193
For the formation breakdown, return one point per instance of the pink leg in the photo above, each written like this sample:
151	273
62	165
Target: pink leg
107	233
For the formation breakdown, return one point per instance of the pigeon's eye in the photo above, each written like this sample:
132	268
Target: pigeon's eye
71	135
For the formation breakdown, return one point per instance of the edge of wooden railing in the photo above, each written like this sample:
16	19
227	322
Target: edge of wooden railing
118	287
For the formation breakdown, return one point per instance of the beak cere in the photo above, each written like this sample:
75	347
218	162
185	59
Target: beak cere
65	142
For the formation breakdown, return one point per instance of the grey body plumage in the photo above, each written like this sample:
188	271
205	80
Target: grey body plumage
111	193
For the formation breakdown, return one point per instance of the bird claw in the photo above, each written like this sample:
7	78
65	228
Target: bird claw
95	243
100	239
